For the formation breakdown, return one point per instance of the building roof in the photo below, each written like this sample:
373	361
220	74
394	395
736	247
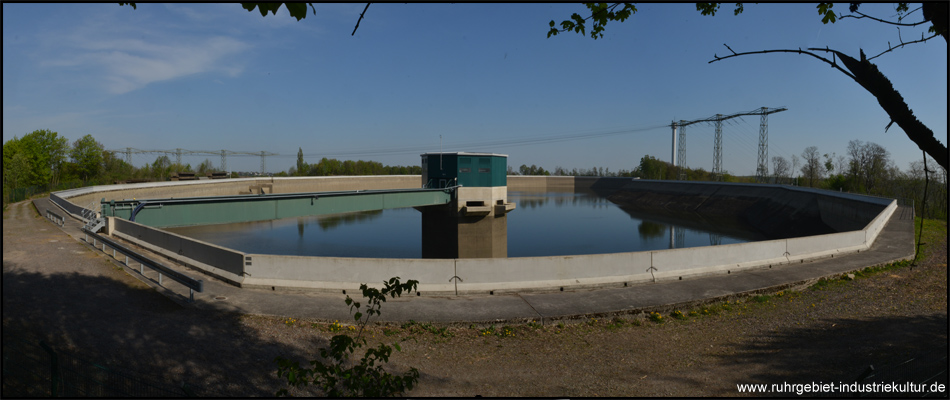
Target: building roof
463	153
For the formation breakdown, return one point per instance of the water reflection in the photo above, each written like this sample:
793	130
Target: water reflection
328	222
649	229
528	199
544	224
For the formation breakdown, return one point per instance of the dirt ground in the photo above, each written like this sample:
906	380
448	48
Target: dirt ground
56	289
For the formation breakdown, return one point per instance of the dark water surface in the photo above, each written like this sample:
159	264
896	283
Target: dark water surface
543	224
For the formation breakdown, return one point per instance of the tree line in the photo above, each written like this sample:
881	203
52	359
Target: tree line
333	167
47	161
43	161
865	168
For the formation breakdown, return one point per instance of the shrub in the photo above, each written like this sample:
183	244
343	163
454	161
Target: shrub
366	378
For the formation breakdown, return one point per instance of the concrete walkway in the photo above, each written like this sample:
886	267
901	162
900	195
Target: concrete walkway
894	243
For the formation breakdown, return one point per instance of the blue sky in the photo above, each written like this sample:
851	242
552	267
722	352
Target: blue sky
483	76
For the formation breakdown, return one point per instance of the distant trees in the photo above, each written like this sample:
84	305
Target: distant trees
532	170
652	168
868	165
302	167
35	159
812	169
161	167
781	170
206	167
115	168
86	154
333	167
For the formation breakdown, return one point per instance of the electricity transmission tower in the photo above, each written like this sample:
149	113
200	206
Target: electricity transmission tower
762	168
178	152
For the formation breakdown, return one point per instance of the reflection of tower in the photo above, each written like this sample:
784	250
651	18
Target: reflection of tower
677	237
715	239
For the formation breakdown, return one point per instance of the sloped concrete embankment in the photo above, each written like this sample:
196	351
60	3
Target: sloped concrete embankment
774	211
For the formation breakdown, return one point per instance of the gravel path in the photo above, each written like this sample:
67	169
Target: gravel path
58	289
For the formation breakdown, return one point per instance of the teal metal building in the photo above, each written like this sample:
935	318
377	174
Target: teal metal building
441	170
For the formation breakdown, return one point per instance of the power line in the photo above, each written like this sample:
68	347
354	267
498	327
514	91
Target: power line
478	145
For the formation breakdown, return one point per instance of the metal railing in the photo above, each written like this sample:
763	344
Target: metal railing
56	218
189	282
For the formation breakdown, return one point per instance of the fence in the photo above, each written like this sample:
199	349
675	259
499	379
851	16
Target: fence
189	282
13	195
56	218
35	369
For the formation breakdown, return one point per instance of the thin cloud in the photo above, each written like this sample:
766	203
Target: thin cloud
124	65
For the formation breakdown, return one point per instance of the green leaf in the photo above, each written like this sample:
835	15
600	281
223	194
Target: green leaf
357	316
707	8
297	10
825	10
829	17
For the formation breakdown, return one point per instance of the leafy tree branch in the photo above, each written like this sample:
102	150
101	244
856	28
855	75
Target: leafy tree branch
871	79
863	71
601	13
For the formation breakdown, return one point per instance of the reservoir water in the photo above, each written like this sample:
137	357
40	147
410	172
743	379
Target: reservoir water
543	224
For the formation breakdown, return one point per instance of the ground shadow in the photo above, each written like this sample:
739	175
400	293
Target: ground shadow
140	331
841	349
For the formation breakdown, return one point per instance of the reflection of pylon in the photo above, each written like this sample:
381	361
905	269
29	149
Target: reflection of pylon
717	150
715	239
681	152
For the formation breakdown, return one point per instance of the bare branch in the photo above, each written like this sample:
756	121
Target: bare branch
861	15
799	51
361	18
730	48
922	39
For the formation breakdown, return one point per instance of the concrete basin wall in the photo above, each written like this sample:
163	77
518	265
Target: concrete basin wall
231	187
336	273
221	262
525	273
